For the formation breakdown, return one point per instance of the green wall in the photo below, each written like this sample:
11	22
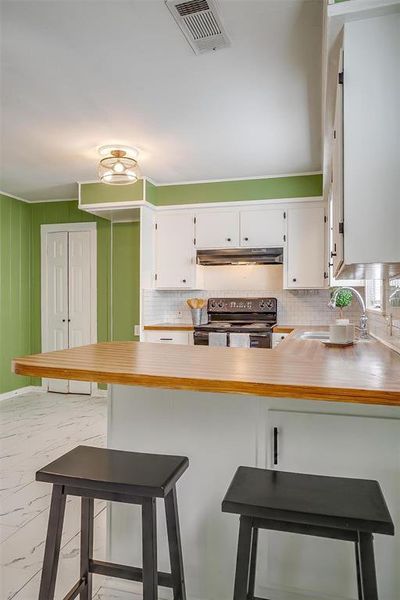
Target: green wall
125	279
15	287
220	191
20	310
240	190
96	193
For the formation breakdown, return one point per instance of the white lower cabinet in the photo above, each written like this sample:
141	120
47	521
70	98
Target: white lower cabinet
277	338
306	250
342	446
166	336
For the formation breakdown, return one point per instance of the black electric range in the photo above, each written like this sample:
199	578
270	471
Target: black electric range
253	316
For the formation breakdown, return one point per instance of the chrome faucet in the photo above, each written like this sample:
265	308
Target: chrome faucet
363	318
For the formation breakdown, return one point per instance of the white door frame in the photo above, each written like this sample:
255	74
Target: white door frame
90	227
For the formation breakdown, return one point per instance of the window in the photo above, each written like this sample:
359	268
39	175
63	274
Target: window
374	294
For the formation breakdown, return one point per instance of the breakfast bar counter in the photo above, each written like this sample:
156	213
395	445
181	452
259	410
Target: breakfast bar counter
367	372
300	407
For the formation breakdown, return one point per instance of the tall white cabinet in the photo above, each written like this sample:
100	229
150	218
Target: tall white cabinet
366	208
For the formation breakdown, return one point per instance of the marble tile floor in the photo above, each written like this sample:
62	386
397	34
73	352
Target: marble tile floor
35	429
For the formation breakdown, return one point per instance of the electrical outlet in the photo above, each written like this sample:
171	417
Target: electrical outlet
136	330
179	315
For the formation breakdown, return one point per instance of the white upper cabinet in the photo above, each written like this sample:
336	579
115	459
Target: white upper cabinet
217	229
305	266
366	207
175	253
262	227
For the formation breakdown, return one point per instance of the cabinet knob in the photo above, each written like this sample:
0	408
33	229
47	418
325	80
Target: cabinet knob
63	320
246	239
294	279
228	239
183	280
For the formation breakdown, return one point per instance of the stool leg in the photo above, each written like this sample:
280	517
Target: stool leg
367	560
87	515
149	543
174	543
253	564
243	559
358	567
53	543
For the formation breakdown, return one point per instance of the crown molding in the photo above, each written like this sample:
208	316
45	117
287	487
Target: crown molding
14	197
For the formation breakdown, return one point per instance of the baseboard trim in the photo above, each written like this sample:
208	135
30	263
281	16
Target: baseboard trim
21	391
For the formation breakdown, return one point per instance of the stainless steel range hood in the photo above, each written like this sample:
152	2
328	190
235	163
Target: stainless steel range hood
240	256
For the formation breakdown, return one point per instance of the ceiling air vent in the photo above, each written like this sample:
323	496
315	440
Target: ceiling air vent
200	24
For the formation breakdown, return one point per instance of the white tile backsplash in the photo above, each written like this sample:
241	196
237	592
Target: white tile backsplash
295	307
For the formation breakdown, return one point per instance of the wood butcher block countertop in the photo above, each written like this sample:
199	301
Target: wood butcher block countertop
367	373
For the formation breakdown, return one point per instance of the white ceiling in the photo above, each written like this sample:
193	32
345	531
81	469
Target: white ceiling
82	73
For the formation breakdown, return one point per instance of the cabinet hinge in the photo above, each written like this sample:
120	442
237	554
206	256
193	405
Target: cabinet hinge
195	220
284	214
284	238
194	241
334	134
325	219
155	225
326	275
341	227
341	77
155	276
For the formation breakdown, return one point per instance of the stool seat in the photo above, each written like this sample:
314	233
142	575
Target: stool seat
116	471
337	502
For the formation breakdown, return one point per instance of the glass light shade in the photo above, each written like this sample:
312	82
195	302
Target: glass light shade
118	169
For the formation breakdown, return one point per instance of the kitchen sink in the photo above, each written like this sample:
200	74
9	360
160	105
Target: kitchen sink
313	335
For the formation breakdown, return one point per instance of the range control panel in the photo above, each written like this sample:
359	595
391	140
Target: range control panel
241	305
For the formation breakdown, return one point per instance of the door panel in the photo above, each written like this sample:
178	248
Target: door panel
262	228
79	298
217	229
57	300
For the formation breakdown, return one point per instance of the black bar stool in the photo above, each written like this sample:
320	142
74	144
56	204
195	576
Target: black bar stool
116	476
330	507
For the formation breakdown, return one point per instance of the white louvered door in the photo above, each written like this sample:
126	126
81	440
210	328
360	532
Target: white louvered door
68	288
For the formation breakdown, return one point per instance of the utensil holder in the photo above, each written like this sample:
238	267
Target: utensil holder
197	314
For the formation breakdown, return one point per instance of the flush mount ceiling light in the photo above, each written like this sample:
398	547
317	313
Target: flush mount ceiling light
119	165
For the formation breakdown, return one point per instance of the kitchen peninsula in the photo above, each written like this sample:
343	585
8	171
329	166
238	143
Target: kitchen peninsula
300	407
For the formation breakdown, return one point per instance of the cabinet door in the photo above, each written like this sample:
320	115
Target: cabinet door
264	227
166	336
339	446
175	253
305	247
217	229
